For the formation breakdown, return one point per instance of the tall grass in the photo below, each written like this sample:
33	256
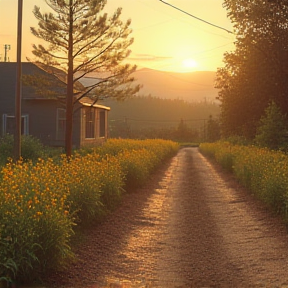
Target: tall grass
35	220
41	202
262	171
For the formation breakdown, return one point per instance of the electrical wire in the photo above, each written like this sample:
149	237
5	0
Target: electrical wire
200	19
155	121
180	19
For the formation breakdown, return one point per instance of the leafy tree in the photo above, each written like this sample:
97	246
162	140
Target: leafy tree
272	131
80	39
182	131
255	73
213	130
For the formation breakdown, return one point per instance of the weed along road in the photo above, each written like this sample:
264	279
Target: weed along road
192	225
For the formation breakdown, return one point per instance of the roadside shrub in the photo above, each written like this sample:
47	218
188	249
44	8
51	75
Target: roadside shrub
80	175
137	166
138	158
208	149
223	156
94	184
112	179
163	148
31	148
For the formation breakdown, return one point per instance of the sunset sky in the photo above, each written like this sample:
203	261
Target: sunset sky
164	38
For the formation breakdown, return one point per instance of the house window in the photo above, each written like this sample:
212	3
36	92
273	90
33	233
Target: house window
89	122
102	124
61	124
9	124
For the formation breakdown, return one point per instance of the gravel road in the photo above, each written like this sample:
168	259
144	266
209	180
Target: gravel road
192	225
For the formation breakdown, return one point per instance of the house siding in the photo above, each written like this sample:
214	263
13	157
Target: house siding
42	120
41	112
7	92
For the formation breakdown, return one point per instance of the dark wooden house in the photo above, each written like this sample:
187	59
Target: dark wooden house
43	114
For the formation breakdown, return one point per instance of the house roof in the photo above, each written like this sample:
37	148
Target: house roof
86	101
29	92
8	72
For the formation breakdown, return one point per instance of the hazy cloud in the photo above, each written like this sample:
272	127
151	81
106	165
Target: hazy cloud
148	57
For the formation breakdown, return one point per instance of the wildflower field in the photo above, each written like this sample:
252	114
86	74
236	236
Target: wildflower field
42	202
264	172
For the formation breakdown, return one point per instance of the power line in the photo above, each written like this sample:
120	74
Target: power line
211	24
156	121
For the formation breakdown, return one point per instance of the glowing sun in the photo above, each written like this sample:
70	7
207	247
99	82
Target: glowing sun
189	63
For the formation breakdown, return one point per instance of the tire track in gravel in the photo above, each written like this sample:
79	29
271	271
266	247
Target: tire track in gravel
190	226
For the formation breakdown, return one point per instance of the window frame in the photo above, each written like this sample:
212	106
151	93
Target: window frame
24	117
90	123
102	123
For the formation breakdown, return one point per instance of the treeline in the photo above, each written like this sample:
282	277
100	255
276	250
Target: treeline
253	83
151	117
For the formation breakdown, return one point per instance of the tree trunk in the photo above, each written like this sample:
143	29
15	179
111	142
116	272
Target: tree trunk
69	96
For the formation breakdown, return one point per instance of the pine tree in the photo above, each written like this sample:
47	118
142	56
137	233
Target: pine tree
213	130
272	130
79	38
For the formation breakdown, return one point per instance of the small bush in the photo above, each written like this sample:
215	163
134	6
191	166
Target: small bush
222	156
31	148
6	148
272	131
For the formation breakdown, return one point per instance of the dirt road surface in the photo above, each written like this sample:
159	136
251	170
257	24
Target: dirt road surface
192	225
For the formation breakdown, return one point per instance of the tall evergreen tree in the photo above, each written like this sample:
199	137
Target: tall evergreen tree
79	38
272	131
213	130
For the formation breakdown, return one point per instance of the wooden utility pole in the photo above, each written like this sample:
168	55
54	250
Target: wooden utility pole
7	47
18	116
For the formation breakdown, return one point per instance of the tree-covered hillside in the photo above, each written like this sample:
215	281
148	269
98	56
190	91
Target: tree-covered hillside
150	117
190	87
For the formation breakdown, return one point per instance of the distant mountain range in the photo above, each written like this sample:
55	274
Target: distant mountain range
190	87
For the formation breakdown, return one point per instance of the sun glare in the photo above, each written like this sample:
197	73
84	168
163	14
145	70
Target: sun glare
189	63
